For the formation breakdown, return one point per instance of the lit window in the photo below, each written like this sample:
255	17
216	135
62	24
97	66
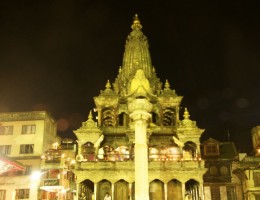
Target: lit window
28	129
6	130
26	148
211	149
5	149
22	194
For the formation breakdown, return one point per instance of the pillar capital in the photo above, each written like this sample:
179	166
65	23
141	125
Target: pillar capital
139	109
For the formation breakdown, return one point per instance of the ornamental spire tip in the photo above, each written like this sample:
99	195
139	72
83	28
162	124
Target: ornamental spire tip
136	23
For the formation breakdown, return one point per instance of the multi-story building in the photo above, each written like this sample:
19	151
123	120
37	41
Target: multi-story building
139	148
221	159
24	137
249	169
58	181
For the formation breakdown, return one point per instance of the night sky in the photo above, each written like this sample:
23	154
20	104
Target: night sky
58	55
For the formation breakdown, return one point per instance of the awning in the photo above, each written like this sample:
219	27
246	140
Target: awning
55	188
7	164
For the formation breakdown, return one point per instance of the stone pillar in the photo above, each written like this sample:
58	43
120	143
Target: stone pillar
140	109
165	191
77	189
201	191
79	148
183	190
130	191
99	116
95	191
112	190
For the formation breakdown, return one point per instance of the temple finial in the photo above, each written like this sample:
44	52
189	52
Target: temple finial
167	85
136	23
186	114
108	85
90	115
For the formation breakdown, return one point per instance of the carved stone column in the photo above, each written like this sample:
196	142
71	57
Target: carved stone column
183	190
165	191
112	190
99	116
140	109
130	191
95	191
77	190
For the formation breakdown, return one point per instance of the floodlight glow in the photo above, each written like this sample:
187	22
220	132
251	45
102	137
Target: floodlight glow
36	176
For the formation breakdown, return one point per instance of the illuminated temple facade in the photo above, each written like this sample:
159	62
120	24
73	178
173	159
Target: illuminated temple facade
142	145
137	145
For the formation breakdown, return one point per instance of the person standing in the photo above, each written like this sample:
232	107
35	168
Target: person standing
107	196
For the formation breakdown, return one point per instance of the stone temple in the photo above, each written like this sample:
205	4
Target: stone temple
139	147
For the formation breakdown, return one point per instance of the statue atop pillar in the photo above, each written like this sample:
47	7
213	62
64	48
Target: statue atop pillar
139	85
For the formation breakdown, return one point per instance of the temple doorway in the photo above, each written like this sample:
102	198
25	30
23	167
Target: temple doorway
121	190
174	190
156	190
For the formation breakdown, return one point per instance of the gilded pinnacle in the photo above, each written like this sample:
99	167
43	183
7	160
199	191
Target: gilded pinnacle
136	23
186	114
108	85
90	115
167	85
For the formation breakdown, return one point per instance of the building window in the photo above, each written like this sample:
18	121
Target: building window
22	194
26	148
213	170
27	171
6	130
224	170
5	149
2	194
257	179
231	193
215	193
28	129
211	149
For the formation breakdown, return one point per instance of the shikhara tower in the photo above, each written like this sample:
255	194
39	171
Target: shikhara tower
139	148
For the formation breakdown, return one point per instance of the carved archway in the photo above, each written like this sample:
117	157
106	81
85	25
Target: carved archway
156	190
103	187
121	190
192	189
86	189
174	190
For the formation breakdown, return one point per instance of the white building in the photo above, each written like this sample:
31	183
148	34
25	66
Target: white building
24	137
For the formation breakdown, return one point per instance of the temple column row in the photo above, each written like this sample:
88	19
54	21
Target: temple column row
196	192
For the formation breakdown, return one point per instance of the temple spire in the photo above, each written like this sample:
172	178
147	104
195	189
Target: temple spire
136	55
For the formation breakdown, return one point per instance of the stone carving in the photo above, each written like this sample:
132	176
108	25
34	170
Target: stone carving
178	142
140	85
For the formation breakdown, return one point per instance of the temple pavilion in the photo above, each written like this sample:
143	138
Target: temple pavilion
140	145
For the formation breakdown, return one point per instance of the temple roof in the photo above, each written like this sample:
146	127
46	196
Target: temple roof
136	56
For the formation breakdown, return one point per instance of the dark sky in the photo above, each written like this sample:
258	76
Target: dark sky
58	55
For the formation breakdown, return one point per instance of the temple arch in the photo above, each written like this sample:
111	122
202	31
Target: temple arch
86	189
88	151
192	189
174	190
103	187
189	151
121	190
156	190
